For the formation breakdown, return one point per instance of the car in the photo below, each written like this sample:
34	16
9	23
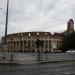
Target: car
71	51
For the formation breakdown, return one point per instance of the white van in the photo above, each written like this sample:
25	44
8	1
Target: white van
71	51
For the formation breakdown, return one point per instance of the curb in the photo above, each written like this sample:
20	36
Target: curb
44	62
32	62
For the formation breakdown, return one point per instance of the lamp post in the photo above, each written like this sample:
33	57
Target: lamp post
46	46
6	19
6	26
38	44
11	59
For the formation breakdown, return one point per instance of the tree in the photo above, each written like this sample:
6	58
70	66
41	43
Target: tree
68	42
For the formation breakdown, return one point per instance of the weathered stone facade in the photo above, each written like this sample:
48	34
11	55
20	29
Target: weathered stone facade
27	42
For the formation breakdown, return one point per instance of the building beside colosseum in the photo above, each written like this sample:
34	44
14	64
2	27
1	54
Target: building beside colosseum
28	41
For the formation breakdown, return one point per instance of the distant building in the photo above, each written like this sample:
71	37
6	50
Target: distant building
27	41
70	27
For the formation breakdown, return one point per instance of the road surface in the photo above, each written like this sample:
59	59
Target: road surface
63	68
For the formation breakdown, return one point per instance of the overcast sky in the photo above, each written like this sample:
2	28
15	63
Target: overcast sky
36	15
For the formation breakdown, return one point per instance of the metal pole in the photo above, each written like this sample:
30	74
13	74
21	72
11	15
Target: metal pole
11	59
6	25
46	47
6	19
38	44
38	54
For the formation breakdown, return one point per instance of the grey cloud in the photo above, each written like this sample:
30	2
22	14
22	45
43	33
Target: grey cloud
37	15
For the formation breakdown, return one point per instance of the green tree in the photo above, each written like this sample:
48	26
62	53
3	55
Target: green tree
68	42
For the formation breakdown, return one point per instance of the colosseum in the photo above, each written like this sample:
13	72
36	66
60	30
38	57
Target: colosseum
32	41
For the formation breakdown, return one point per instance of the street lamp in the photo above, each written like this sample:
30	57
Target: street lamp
6	20
11	49
38	44
6	26
46	46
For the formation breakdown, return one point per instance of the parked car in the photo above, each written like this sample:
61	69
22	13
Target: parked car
57	51
71	51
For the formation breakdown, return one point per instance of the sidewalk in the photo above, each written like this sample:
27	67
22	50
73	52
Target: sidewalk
28	62
7	62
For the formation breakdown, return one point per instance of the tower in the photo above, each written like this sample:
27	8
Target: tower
70	26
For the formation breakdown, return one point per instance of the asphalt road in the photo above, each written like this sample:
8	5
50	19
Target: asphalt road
63	68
